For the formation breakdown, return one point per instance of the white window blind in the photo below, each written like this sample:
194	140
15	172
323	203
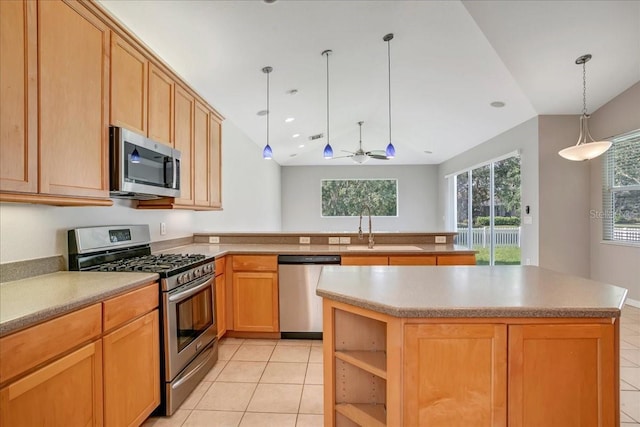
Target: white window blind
621	190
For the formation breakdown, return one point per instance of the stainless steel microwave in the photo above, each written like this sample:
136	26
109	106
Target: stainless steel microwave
141	168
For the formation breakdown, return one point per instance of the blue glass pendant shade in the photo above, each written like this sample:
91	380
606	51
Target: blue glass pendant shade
390	151
135	156
267	153
328	151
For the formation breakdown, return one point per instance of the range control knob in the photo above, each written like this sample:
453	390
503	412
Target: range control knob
197	272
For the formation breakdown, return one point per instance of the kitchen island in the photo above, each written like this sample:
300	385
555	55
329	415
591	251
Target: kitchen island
460	346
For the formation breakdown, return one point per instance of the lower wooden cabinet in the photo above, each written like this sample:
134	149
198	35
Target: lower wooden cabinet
388	259
255	301
562	375
221	297
67	392
455	375
131	371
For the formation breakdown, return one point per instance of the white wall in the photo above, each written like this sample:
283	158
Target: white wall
301	199
613	263
251	187
523	137
564	199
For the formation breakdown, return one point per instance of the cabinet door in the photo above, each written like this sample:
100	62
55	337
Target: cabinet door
18	97
455	375
562	375
132	371
67	392
221	301
160	109
129	71
73	75
183	138
255	301
216	161
365	260
201	156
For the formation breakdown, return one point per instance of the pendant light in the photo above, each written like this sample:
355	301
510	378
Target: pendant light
267	153
391	150
586	148
328	151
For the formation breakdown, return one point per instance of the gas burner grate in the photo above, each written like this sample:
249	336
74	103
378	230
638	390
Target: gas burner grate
152	263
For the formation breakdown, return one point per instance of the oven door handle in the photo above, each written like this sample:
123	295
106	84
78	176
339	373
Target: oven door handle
191	291
206	354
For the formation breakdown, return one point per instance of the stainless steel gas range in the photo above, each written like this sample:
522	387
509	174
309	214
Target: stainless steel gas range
187	288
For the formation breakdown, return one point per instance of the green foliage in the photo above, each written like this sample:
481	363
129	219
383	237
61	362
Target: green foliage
483	221
346	197
505	255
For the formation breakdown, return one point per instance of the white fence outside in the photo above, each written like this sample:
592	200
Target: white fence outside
626	234
504	236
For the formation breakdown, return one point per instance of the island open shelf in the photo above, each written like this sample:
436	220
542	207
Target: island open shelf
450	346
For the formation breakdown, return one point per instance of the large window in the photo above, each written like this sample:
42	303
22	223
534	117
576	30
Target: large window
346	197
621	190
487	211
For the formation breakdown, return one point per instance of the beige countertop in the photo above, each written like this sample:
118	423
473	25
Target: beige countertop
470	291
286	249
30	301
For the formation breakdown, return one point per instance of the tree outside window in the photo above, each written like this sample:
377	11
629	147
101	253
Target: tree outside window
346	197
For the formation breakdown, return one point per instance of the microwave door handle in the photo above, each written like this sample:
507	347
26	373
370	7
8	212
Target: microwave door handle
175	172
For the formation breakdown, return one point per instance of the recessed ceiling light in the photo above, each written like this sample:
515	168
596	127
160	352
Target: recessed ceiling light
289	119
301	146
295	135
292	91
262	112
497	104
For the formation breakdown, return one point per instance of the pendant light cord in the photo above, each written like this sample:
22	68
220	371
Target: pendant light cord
584	88
389	64
327	53
268	107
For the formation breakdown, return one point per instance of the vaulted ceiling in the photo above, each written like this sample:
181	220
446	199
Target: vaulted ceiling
449	61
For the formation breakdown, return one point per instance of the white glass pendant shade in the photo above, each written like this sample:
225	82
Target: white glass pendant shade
586	148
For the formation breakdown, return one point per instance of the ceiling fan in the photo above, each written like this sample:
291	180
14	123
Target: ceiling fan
360	156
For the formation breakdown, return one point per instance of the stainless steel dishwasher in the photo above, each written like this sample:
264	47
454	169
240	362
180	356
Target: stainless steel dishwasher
300	307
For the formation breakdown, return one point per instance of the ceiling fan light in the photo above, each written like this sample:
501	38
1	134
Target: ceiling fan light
586	151
390	151
328	151
359	158
267	153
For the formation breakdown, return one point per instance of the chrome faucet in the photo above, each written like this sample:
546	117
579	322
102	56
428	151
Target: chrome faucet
360	235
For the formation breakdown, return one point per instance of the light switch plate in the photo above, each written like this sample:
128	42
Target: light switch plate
441	239
334	240
345	240
305	240
214	239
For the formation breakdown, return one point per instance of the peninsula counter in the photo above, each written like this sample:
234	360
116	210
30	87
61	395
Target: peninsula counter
476	345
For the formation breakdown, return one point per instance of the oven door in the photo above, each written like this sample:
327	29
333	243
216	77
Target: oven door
190	323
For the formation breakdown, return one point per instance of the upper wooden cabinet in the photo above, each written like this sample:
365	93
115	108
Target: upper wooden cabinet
215	168
183	138
129	77
73	75
18	97
160	110
201	156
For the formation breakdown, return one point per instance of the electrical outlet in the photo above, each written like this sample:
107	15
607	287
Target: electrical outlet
163	228
305	240
345	240
214	239
441	239
334	240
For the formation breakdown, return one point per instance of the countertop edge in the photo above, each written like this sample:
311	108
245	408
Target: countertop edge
475	312
32	319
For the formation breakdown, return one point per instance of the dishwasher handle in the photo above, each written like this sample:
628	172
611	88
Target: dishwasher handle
309	259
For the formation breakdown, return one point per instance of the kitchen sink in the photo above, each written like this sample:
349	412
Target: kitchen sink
384	248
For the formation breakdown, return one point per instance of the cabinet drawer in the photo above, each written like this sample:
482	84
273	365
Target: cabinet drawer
412	260
255	262
456	260
125	307
220	266
27	349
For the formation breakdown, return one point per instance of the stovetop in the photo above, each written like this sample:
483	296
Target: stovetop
165	264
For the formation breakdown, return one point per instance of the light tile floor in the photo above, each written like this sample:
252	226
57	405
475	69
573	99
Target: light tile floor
279	383
256	383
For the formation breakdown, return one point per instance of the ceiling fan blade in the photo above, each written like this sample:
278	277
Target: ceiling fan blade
377	153
340	157
377	156
347	151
